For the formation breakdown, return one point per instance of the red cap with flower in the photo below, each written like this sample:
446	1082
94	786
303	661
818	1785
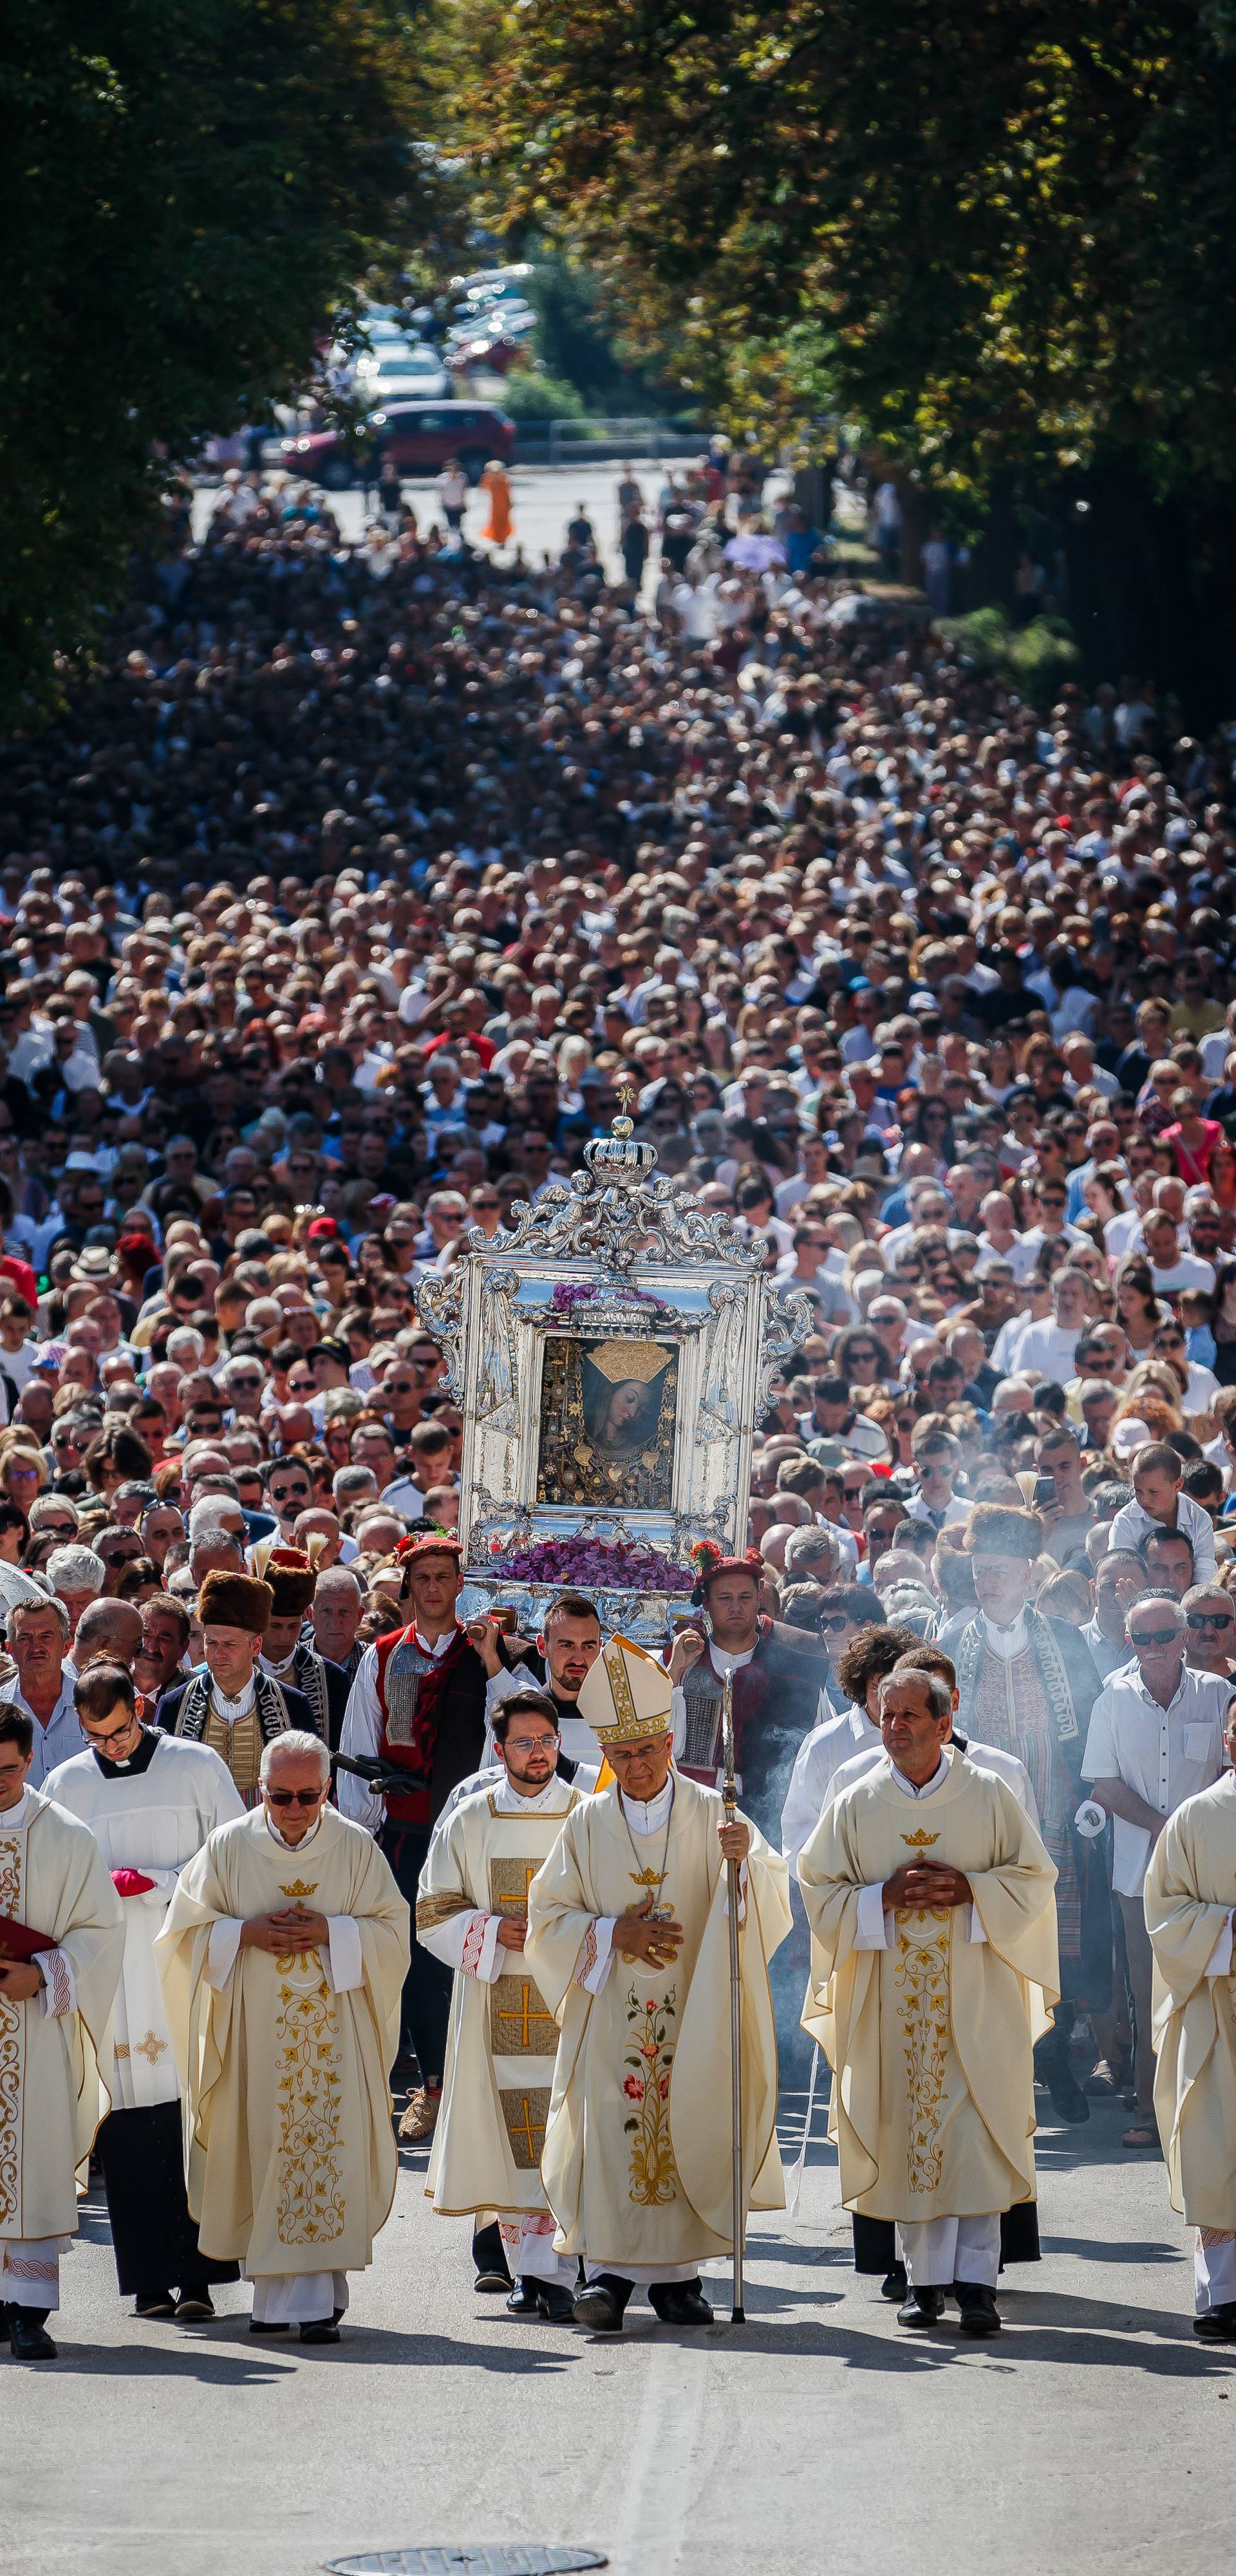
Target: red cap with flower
709	1562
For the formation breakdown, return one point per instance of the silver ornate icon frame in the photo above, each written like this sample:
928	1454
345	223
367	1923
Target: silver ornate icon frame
611	1252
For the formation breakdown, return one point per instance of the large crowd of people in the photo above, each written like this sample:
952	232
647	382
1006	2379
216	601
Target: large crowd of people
338	912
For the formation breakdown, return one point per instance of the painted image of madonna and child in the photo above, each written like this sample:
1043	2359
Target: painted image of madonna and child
607	1424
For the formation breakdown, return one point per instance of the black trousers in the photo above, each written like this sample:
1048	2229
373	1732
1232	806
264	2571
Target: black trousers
427	1987
153	2237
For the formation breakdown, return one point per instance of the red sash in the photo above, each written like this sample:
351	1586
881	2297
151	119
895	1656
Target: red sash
412	1807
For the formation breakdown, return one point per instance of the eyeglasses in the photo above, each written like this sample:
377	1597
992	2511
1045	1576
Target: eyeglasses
1204	1620
831	1622
296	1797
1153	1637
114	1735
531	1744
1169	1341
244	1385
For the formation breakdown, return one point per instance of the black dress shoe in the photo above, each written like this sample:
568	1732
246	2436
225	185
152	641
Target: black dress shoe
601	2304
259	2326
556	2304
1067	2097
320	2330
893	2285
27	2338
194	2307
1217	2325
493	2281
920	2309
979	2313
524	2300
680	2303
154	2303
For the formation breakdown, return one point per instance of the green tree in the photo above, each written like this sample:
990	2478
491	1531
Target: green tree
997	237
191	191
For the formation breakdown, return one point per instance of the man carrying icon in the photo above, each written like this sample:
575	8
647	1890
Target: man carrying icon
628	1942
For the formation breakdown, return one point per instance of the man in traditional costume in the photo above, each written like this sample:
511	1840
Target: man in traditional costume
628	1943
231	1705
1027	1685
418	1703
565	1652
150	1800
472	1912
282	1960
1190	1882
778	1675
930	1899
61	1945
289	1651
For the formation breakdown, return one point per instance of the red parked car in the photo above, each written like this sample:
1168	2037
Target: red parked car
420	437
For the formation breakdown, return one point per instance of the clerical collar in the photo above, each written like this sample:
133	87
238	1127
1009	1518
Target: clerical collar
511	1804
275	1835
915	1789
231	1709
1006	1642
647	1816
139	1760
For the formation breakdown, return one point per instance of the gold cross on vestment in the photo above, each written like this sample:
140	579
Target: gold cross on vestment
150	2048
528	2129
524	2013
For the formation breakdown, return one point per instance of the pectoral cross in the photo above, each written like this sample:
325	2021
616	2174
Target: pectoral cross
524	2013
528	2129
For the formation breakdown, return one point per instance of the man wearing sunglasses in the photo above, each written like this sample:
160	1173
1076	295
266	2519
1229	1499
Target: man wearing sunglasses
282	1962
1210	1622
1155	1738
150	1800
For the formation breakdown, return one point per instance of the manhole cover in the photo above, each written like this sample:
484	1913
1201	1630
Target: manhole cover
514	2558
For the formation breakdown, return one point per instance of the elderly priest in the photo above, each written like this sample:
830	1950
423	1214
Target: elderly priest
1189	1891
930	1898
61	1947
628	1942
282	1960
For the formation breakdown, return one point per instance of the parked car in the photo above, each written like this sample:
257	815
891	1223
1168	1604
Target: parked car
418	436
404	375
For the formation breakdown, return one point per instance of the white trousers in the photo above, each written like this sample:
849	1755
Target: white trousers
30	2270
528	2241
1214	2269
297	2298
936	2251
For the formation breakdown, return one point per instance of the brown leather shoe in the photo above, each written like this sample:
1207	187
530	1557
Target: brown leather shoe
421	2118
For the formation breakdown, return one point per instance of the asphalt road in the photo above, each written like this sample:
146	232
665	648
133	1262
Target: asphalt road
817	2437
544	499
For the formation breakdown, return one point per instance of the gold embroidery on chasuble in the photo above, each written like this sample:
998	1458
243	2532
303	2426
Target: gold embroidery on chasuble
520	2023
310	2201
432	1910
240	1746
921	1978
525	2110
652	2175
509	1881
11	1854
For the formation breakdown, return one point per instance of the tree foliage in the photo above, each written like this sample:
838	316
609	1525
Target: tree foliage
998	236
191	190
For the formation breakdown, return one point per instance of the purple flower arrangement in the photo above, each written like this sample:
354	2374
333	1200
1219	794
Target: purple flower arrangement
595	1565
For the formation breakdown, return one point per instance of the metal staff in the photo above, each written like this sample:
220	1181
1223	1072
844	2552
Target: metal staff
737	2312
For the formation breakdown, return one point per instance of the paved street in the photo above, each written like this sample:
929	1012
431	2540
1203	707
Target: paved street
816	2437
544	498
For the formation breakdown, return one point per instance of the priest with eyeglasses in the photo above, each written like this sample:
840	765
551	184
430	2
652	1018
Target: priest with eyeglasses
282	1961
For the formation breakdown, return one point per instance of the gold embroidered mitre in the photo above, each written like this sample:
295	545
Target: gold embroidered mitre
626	1694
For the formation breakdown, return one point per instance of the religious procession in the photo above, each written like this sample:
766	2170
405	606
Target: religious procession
597	1806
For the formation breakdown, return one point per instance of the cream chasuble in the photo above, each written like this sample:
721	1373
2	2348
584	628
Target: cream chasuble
503	2039
292	2162
54	2062
1189	1894
930	2039
636	2161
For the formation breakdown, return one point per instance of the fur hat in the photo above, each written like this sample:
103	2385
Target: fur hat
998	1529
235	1601
292	1580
